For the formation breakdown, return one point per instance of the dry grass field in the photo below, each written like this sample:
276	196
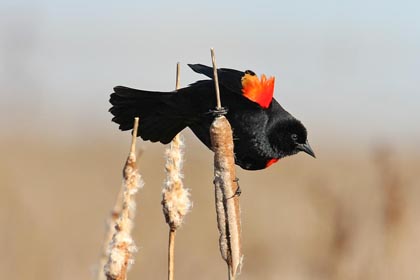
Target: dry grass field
342	216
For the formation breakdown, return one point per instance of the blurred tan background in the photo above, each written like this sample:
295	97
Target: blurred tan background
348	71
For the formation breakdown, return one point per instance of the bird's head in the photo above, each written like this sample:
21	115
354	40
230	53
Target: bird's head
291	137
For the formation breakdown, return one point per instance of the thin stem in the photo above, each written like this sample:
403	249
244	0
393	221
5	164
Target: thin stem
230	276
171	254
134	136
216	80
178	78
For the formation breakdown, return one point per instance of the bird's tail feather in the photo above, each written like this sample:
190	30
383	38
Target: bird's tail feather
160	114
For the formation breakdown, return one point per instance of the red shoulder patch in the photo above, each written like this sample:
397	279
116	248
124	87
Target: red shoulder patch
271	161
258	90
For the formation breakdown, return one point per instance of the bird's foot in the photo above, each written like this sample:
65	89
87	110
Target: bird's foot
238	191
217	112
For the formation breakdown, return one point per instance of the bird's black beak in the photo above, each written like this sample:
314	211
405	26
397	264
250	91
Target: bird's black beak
306	148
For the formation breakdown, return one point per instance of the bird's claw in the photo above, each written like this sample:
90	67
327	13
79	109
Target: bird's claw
238	191
218	111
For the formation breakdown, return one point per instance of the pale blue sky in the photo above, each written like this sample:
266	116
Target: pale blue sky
346	68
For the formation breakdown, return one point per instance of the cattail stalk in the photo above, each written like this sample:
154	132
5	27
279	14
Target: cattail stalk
216	80
227	200
175	198
122	247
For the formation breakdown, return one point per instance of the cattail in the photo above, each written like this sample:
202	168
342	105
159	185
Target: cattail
175	198
122	247
227	200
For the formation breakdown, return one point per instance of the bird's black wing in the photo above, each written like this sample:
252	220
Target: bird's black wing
247	84
228	78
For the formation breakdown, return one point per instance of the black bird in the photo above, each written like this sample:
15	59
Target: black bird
263	131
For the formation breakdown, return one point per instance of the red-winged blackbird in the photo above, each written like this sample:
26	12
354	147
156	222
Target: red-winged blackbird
263	131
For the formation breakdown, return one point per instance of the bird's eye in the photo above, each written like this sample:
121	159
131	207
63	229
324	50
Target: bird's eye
294	137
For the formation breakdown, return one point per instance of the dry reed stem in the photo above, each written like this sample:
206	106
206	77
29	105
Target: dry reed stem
227	200
175	198
216	80
171	254
122	247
